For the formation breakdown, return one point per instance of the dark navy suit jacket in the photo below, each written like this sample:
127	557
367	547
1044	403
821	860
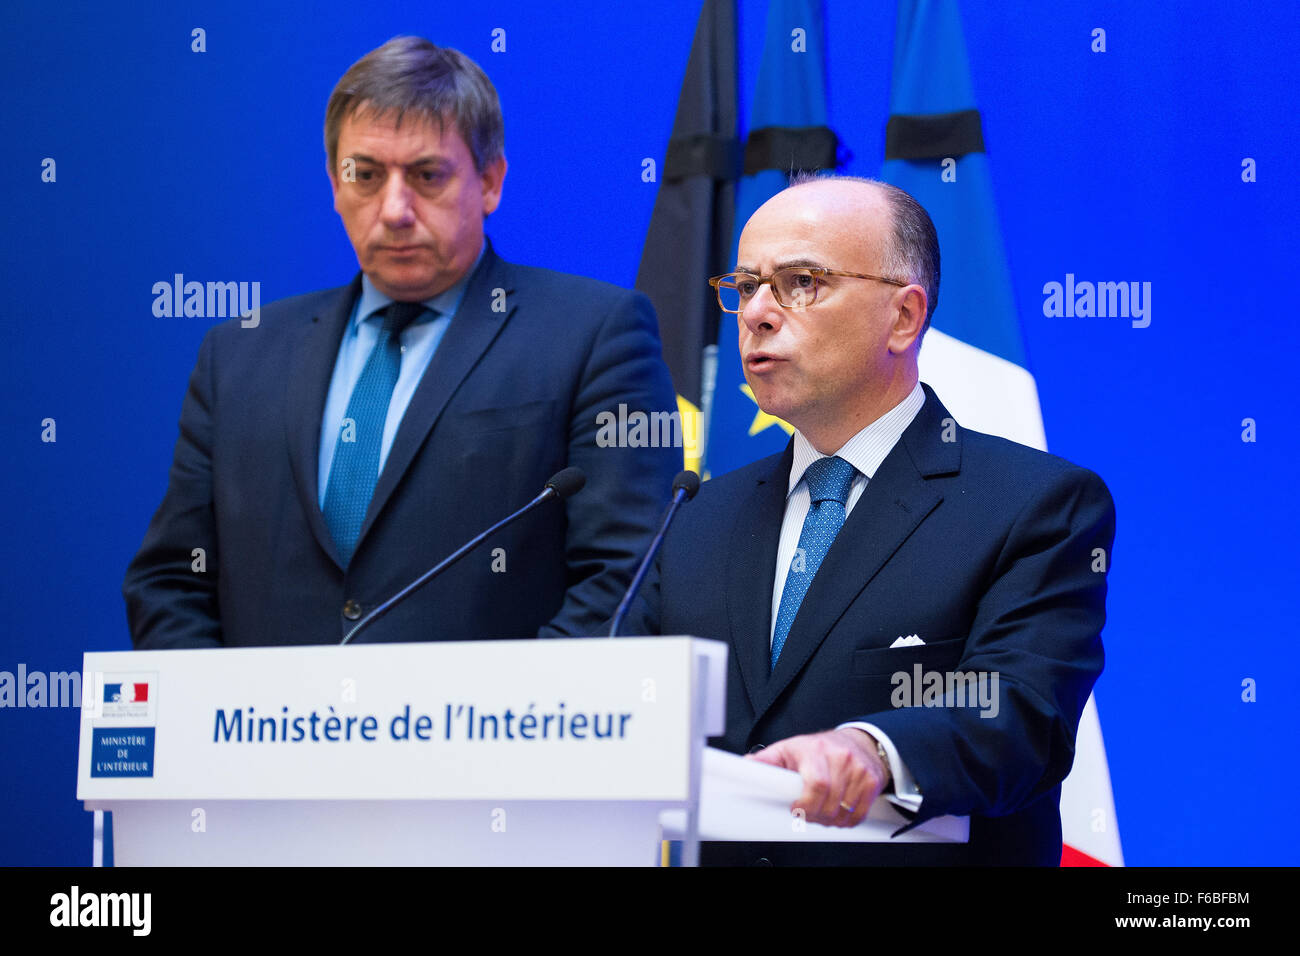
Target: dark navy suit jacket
510	397
983	548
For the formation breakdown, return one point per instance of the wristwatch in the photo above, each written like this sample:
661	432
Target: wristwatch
884	758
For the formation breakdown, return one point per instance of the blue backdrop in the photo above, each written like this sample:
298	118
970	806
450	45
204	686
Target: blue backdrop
1123	165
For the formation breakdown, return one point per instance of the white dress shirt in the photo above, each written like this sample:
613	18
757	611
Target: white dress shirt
864	451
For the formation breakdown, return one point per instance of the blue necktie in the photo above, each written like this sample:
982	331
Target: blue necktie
355	468
829	481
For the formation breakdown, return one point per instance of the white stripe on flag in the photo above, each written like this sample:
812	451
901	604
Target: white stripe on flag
1087	806
985	393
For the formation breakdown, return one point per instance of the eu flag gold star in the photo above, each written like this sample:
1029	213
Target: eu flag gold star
762	419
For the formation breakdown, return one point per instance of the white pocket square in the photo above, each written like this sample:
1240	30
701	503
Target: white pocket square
910	641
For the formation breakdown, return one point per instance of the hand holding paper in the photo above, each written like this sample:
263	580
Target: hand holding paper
842	774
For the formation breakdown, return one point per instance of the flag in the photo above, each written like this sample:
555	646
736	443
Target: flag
974	354
126	693
690	228
788	133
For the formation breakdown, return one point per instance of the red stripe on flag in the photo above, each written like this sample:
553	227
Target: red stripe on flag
1072	857
141	692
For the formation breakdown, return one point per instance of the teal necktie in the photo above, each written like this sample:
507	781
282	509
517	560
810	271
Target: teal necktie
355	468
829	481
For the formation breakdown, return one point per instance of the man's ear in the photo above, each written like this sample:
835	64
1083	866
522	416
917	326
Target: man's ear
909	320
493	175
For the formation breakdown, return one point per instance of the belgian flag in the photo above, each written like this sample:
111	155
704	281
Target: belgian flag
690	229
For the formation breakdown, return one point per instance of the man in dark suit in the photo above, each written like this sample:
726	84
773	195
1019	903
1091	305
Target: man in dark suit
345	441
913	610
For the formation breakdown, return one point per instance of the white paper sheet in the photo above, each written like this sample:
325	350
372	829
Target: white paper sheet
744	800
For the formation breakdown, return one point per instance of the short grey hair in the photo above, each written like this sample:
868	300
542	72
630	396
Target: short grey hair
913	250
410	74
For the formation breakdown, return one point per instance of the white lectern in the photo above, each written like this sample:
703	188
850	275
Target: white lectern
478	753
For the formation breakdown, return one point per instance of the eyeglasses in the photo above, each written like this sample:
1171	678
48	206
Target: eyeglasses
794	288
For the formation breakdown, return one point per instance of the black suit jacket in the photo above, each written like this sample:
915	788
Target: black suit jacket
511	396
986	550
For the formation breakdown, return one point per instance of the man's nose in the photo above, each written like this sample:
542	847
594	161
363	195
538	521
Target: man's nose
396	211
762	312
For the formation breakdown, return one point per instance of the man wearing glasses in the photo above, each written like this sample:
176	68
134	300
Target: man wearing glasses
913	610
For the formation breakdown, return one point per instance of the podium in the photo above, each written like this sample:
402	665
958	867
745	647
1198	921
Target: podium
483	753
557	752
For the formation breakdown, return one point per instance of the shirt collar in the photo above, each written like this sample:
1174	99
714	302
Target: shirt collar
444	303
869	447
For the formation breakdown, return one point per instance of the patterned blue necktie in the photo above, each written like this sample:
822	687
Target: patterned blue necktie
829	481
355	468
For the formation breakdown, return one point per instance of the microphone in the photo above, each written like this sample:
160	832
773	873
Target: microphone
684	487
563	484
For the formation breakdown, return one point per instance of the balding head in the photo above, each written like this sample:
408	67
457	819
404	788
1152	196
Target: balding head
850	217
911	247
838	347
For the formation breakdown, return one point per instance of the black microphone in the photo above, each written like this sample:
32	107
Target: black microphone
684	487
563	484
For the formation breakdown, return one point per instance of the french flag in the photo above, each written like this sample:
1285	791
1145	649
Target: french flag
973	354
126	693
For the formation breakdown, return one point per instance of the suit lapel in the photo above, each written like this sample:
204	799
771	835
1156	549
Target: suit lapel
893	504
473	328
752	574
311	366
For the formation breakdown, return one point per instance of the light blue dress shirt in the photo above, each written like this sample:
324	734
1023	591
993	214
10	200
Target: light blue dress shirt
419	342
865	451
